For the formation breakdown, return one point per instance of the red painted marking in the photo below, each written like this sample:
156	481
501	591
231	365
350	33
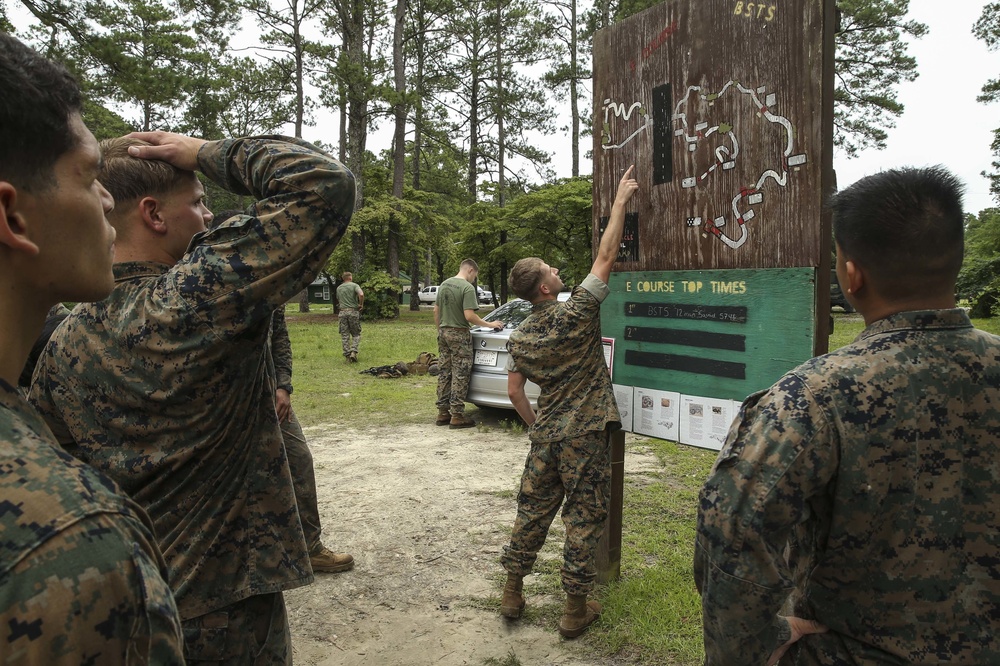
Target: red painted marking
763	109
716	231
740	220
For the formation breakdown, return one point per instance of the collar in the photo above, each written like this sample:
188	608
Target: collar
541	305
130	270
925	320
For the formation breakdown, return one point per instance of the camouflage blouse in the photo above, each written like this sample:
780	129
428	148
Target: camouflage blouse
167	385
558	346
863	490
81	578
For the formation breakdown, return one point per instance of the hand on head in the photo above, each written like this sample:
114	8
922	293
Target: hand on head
176	149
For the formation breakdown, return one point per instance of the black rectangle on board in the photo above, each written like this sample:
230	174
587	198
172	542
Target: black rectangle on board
629	249
663	135
692	364
704	339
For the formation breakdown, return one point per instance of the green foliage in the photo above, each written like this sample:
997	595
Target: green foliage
979	279
553	222
987	28
144	55
871	62
381	294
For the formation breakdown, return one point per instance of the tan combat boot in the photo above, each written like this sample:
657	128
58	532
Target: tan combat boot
578	615
443	418
325	560
513	597
461	421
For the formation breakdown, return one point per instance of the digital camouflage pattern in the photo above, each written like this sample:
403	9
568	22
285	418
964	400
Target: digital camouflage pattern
81	578
580	470
558	346
281	350
300	460
878	468
168	384
350	331
454	369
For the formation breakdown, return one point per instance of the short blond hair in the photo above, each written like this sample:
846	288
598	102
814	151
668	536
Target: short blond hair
128	178
525	277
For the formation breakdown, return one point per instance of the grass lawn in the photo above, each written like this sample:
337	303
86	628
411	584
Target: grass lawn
652	615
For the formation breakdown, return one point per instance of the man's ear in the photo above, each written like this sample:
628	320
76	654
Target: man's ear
149	208
855	276
13	225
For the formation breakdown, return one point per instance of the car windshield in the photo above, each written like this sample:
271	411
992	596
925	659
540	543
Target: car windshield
516	311
511	314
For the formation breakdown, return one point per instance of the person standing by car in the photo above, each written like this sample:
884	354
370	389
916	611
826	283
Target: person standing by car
559	348
454	310
352	301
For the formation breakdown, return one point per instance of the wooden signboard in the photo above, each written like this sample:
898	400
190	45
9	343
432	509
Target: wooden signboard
725	109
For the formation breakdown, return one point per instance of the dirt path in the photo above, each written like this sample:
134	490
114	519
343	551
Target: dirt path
425	511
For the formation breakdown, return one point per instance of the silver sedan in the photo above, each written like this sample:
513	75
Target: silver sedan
488	382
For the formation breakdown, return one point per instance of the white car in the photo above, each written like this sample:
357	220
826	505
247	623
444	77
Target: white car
428	294
485	297
488	381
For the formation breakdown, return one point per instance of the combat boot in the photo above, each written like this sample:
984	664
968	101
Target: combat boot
325	560
461	421
578	615
443	418
513	597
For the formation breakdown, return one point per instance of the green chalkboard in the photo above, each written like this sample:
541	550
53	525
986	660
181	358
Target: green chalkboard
714	333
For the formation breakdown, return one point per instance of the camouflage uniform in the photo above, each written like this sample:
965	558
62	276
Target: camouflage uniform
865	484
350	317
558	346
81	578
300	460
168	384
454	297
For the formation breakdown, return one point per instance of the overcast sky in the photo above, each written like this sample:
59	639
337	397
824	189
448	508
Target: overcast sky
943	123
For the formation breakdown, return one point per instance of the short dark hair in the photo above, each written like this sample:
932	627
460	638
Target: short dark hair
905	227
39	97
471	263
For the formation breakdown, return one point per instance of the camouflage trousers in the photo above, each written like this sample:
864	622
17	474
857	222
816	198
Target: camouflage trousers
300	464
578	469
454	368
251	631
350	331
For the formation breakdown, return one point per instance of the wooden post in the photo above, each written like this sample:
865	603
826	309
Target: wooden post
609	548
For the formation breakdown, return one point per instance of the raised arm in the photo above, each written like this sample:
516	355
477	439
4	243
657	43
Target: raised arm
607	252
239	272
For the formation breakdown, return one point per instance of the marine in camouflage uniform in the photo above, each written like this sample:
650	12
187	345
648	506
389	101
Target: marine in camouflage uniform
558	346
300	460
454	311
168	387
351	299
81	578
860	492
